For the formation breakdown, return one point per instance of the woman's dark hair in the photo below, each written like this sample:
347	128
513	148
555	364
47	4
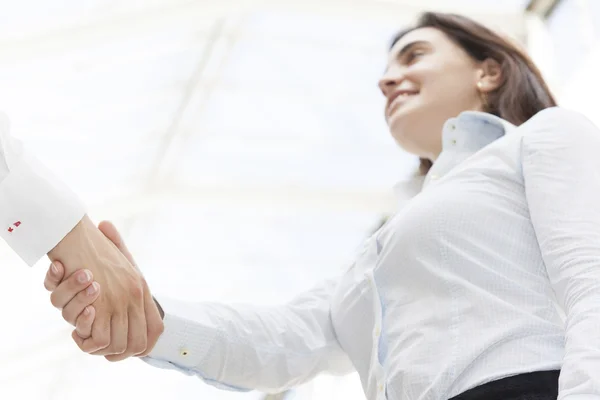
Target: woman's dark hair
523	92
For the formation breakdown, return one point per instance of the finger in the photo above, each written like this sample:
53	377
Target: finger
54	276
136	336
111	232
154	323
70	287
118	336
71	312
85	321
78	340
100	335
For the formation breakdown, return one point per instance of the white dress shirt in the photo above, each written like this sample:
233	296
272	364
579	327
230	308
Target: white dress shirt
467	283
37	210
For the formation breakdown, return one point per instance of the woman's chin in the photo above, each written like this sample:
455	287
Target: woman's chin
403	117
399	128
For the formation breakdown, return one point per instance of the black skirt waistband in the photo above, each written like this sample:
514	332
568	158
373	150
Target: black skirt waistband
541	385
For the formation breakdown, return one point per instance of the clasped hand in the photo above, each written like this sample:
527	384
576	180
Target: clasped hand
105	297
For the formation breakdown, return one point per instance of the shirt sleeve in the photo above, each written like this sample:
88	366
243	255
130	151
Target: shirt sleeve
561	170
249	348
37	210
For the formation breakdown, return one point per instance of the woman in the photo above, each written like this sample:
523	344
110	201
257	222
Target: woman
459	295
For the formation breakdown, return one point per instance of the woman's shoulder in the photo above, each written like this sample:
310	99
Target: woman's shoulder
559	123
560	116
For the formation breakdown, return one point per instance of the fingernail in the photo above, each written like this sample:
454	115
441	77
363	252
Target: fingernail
86	311
54	269
85	277
93	288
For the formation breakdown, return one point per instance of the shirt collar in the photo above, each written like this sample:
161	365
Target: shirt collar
472	130
462	137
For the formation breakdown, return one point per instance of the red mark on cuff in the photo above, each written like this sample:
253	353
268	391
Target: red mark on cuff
16	224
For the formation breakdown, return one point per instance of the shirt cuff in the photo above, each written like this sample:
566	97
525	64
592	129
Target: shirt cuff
37	210
187	343
183	341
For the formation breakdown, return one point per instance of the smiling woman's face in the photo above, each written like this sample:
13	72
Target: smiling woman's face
428	80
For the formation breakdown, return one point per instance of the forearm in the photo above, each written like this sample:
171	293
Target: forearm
245	348
76	247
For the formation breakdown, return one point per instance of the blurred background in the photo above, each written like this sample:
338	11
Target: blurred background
239	145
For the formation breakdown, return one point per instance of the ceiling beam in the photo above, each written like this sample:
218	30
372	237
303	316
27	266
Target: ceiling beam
542	8
251	197
203	13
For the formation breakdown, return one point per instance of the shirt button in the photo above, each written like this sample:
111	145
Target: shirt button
184	352
453	141
380	387
377	331
452	127
434	177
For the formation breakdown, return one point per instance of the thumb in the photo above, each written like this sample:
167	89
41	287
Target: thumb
111	232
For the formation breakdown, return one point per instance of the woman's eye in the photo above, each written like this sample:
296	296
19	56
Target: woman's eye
414	55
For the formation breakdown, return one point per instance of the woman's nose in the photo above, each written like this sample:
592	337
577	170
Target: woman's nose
390	80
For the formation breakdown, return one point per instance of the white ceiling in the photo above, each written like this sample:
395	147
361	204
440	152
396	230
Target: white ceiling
238	144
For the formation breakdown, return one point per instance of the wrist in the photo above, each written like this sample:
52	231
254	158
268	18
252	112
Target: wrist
71	250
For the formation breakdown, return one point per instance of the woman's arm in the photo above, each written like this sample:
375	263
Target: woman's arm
270	349
561	170
236	348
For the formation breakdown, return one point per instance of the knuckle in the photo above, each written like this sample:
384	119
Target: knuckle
158	328
136	291
73	283
143	282
83	299
154	333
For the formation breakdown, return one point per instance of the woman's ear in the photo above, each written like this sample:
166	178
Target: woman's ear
490	75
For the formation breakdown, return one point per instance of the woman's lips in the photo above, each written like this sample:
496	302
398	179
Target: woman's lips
399	99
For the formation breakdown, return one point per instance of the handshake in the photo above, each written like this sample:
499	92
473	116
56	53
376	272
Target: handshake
94	280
